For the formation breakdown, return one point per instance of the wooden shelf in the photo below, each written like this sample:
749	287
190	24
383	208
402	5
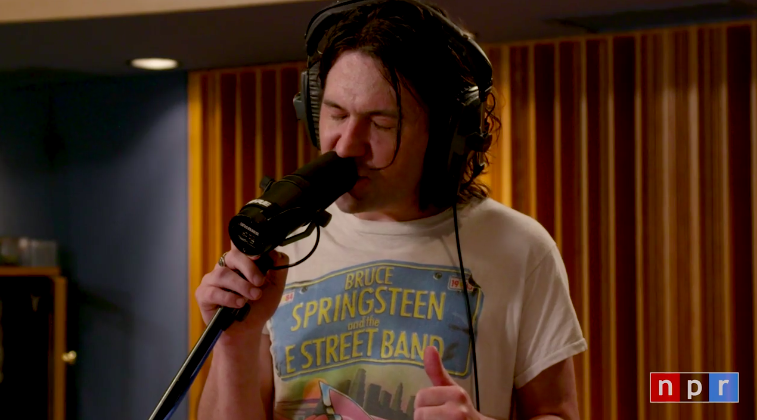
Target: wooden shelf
29	271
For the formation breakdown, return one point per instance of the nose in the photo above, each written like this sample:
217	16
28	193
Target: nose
352	141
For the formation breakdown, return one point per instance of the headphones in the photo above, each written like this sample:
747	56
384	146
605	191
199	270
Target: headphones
467	124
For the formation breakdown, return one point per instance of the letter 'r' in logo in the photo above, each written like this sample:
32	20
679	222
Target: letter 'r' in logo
693	387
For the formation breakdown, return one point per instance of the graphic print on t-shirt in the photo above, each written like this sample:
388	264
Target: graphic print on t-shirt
359	334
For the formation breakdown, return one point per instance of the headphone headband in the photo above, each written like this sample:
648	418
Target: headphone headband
472	52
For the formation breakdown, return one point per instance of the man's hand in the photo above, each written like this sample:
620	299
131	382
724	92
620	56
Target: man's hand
445	400
237	282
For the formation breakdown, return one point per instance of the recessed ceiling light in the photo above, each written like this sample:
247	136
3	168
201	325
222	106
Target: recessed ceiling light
154	63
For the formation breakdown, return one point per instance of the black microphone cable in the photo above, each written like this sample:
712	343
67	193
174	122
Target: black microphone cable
317	239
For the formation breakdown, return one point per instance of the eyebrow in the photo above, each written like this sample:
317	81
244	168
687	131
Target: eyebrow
380	112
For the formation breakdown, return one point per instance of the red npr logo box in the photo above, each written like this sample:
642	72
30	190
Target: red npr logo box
694	387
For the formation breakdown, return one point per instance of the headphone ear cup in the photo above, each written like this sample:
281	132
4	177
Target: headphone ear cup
314	103
307	103
468	139
466	125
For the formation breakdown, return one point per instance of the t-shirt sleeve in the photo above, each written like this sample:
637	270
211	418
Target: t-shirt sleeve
549	329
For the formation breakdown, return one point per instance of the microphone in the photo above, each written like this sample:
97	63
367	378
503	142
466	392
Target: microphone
296	200
263	224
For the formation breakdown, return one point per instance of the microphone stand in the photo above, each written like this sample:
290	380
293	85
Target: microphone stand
222	320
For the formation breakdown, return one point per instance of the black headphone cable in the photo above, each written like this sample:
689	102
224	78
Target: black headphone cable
467	307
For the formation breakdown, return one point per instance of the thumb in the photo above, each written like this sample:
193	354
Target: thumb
434	368
278	277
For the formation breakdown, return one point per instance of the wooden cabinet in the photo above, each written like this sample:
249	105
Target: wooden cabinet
33	350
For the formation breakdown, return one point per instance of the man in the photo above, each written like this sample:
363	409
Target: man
374	324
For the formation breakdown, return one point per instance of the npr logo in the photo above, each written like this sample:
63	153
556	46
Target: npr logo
692	387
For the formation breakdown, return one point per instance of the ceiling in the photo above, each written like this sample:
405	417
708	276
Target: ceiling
39	10
268	33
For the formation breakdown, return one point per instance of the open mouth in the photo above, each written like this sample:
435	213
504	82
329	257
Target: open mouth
361	182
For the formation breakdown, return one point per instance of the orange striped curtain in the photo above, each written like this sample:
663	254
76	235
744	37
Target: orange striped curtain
242	126
635	151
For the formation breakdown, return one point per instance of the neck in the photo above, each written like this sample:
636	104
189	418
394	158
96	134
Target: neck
399	213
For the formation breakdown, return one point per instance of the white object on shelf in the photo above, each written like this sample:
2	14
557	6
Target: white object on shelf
43	253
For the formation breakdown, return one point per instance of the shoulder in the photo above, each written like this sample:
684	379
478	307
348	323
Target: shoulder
500	233
493	218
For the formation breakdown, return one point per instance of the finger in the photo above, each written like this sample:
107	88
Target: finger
440	395
239	284
278	277
236	260
276	260
219	297
437	413
234	247
279	258
233	282
434	368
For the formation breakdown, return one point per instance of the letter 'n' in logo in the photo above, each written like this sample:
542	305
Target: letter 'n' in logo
664	387
693	387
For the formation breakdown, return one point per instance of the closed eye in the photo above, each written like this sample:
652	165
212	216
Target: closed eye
382	127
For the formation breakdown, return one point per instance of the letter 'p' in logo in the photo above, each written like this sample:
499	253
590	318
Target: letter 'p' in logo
693	387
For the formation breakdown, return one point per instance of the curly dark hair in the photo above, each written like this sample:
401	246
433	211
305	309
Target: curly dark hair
413	47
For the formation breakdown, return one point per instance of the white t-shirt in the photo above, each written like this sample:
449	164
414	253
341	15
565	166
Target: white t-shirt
349	335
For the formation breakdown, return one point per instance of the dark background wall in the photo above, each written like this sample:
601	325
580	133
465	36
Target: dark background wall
26	173
101	167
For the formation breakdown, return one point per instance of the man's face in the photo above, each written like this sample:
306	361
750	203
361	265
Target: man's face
359	118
